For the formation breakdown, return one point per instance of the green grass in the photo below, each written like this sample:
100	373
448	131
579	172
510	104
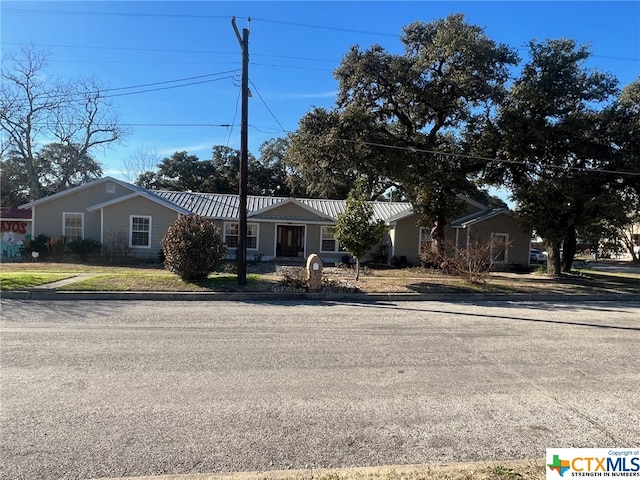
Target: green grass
26	280
160	282
503	471
22	276
632	277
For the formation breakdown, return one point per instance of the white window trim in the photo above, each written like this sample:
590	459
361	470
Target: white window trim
224	234
64	223
111	187
336	244
506	249
131	217
428	230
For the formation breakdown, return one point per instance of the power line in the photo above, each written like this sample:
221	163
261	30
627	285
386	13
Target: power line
130	49
172	125
233	123
265	20
270	111
164	50
325	27
144	62
100	92
170	15
170	81
267	130
114	14
487	159
214	52
222	125
165	88
450	154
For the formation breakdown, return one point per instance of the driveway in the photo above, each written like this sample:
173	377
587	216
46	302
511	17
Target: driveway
108	388
615	266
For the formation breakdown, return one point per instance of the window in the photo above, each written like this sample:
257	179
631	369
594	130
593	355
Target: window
73	226
328	241
111	187
232	233
499	247
425	239
140	235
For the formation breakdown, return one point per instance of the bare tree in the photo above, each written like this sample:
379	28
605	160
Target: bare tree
36	110
143	159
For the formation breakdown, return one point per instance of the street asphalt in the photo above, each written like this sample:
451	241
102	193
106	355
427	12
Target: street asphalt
108	388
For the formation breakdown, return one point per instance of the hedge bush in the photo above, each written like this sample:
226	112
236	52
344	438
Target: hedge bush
193	248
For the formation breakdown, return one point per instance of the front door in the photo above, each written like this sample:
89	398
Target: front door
290	241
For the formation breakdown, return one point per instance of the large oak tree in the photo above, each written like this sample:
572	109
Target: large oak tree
550	138
184	172
398	117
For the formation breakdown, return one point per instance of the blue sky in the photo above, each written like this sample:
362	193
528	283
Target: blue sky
294	48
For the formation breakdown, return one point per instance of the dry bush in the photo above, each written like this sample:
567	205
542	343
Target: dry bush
294	277
56	247
116	246
473	264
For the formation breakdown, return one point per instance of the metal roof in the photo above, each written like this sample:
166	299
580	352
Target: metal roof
13	213
478	217
225	206
222	206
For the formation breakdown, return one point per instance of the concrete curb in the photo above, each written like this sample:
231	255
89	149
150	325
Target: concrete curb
50	294
430	470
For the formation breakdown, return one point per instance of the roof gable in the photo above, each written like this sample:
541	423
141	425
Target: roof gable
271	211
148	195
478	217
79	188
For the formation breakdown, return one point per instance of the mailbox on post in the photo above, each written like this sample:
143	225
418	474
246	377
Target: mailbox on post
314	273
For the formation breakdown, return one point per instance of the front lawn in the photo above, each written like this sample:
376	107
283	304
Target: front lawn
167	282
262	277
26	280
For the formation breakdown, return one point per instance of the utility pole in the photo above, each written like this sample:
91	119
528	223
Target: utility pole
244	155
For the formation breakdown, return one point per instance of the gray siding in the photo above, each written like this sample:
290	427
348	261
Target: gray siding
518	251
407	238
48	216
117	218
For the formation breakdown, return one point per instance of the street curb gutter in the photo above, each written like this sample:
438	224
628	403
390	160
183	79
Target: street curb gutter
434	470
43	294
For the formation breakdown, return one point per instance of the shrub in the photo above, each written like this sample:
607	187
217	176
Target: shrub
294	277
55	247
84	247
193	248
230	268
36	244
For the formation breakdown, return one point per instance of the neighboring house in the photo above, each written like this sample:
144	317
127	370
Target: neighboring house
277	227
15	231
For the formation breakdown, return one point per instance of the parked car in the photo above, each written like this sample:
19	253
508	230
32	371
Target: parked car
536	256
